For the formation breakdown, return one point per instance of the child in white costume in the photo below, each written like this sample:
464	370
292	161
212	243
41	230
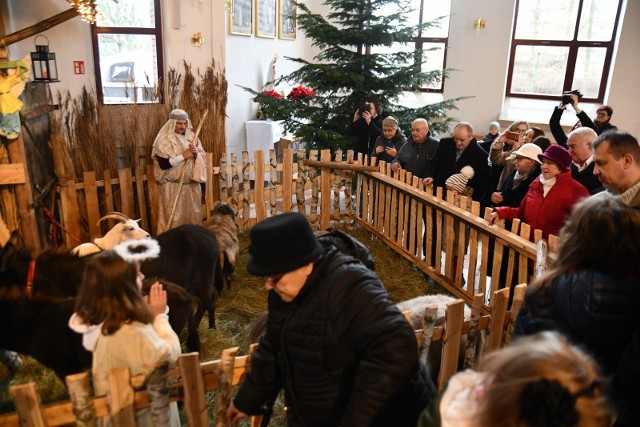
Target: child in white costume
121	327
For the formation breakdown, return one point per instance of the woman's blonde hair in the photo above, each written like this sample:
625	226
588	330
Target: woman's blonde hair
542	380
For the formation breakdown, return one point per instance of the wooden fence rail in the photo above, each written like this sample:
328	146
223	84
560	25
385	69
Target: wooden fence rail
191	379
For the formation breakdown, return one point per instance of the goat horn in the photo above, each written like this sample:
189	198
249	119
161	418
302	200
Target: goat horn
114	215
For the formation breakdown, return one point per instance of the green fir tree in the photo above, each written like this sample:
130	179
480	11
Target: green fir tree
345	73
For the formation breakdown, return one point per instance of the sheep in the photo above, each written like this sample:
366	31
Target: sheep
222	223
126	229
417	307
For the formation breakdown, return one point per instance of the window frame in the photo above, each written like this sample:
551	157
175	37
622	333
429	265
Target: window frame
420	41
573	45
156	31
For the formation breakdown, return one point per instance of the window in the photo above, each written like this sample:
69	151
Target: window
127	51
431	42
559	45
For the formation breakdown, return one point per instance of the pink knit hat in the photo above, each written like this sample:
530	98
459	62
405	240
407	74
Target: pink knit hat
558	155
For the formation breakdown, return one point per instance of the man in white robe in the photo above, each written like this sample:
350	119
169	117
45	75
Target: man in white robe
179	169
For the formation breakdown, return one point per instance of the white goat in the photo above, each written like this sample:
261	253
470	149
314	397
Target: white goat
126	229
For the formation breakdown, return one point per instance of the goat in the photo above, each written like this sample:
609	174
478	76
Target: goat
222	223
189	258
58	274
126	229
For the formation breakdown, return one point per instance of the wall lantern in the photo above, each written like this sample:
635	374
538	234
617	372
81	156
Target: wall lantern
45	68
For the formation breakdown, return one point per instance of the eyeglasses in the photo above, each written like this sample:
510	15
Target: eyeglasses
274	279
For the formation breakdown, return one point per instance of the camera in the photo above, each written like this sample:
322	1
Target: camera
566	96
366	107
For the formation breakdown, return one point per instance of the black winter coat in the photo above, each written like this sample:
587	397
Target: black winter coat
600	313
341	350
444	164
514	196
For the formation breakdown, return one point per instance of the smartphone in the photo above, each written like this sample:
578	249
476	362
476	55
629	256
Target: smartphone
515	136
389	144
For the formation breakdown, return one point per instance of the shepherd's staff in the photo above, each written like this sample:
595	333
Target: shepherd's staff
184	168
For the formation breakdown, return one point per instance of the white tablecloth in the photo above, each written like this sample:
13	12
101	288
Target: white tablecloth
262	135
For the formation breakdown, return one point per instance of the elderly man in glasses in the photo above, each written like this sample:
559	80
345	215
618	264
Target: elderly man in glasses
334	341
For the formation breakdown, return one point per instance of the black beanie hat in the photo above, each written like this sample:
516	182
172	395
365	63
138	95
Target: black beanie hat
281	244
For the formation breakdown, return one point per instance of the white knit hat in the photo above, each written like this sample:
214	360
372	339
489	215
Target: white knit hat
530	151
458	181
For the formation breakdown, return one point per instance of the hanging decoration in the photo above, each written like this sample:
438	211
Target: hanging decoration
45	67
13	75
86	9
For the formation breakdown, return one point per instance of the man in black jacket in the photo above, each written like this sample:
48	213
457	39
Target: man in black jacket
334	341
453	154
579	143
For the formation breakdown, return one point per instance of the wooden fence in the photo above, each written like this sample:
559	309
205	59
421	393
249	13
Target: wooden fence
191	380
478	258
474	257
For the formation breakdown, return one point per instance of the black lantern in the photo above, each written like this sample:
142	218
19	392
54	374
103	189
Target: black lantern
45	68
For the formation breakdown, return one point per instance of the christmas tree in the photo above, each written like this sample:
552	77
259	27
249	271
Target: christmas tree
348	70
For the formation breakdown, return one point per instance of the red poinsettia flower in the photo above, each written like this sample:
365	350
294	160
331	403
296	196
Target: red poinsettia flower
272	93
299	92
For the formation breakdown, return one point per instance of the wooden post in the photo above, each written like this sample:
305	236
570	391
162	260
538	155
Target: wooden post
287	179
92	204
223	394
454	318
499	301
28	405
24	197
158	389
195	405
120	396
258	188
126	195
472	337
246	189
222	178
273	181
428	324
300	182
209	196
236	179
313	177
81	394
142	201
325	190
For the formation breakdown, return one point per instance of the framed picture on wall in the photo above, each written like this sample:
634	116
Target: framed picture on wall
241	18
288	20
266	15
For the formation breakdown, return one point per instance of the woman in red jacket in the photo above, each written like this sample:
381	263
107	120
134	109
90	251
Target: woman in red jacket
551	196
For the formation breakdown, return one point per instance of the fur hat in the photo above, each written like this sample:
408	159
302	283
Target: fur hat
281	244
529	150
558	155
390	122
458	181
